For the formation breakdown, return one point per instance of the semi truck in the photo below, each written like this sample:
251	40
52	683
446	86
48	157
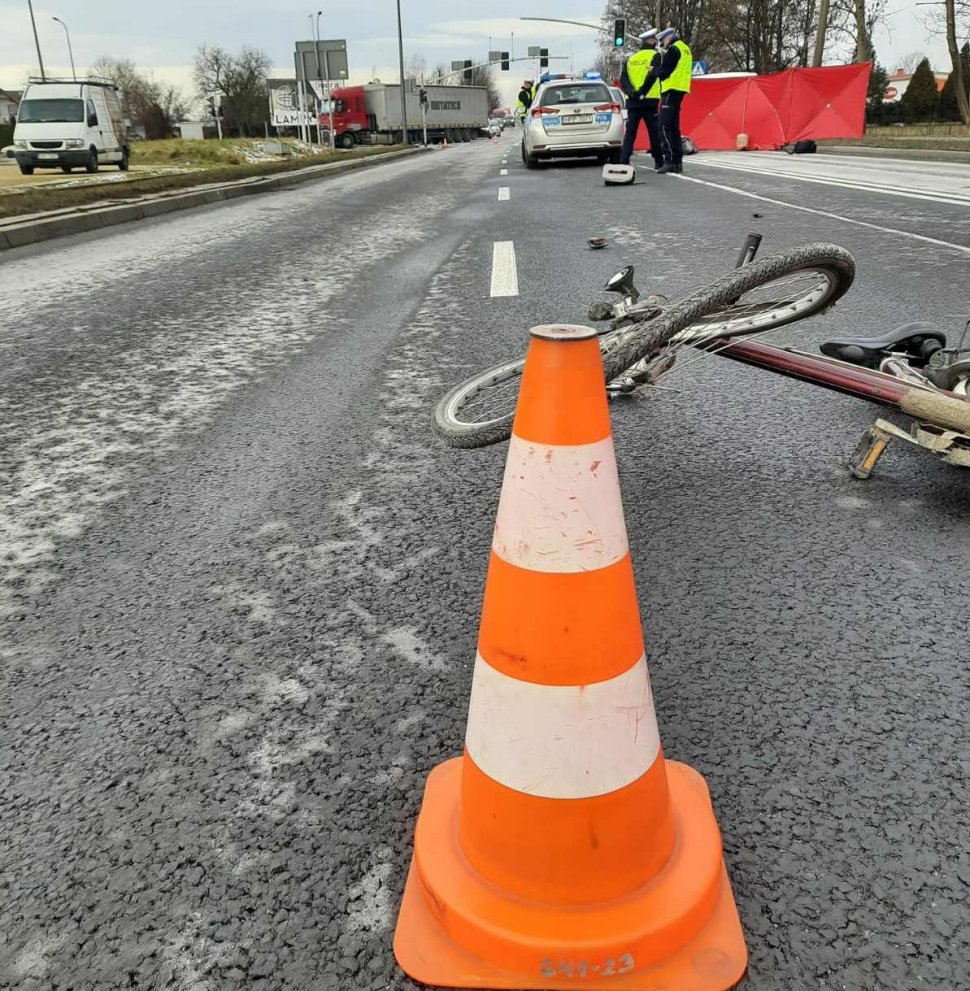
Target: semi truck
69	124
371	115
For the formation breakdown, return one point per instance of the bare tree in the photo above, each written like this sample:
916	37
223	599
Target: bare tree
823	24
484	76
959	82
156	106
910	60
239	82
862	46
956	19
416	68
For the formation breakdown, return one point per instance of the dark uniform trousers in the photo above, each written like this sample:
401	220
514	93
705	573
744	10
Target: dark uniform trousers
648	112
673	146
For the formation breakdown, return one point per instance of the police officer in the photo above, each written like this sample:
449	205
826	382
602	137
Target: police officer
525	99
674	72
642	100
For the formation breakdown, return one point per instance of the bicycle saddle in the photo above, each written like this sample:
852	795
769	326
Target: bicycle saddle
917	340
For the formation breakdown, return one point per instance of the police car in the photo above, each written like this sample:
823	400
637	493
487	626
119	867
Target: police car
573	116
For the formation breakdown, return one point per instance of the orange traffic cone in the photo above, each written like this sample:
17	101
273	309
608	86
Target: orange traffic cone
562	850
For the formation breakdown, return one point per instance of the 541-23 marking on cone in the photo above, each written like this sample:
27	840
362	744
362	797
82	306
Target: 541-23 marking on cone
583	968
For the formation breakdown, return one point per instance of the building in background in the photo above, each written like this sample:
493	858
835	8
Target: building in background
899	80
9	102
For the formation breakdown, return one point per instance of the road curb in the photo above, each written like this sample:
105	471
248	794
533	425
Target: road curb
18	232
908	154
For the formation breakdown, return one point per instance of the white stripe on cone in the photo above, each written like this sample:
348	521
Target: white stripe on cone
560	741
560	508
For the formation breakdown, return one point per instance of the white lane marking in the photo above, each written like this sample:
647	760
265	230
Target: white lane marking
951	199
504	194
832	216
505	276
562	741
503	172
560	510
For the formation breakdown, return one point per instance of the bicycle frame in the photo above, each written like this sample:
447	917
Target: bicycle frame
932	429
828	373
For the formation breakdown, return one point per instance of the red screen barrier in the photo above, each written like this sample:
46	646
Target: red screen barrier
775	109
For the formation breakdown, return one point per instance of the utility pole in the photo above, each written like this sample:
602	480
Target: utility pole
316	98
33	24
400	52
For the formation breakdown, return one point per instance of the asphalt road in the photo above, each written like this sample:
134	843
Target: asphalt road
240	579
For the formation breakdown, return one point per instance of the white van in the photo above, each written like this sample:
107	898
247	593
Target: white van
65	124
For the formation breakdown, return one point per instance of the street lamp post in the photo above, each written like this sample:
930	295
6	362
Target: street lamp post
316	96
400	52
326	70
70	51
33	24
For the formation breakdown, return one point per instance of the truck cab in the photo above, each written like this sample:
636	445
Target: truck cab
350	121
66	124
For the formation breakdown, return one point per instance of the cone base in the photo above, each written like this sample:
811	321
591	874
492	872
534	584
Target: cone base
449	911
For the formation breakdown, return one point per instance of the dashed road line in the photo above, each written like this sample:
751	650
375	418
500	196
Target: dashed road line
503	172
504	194
831	216
505	276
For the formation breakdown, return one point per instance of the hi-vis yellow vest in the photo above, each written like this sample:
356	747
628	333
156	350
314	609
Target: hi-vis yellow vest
680	80
638	67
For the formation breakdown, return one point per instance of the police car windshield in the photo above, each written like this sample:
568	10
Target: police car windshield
565	93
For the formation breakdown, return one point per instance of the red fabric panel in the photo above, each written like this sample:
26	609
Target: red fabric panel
775	109
829	102
766	113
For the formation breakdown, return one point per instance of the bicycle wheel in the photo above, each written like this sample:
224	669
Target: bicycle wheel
747	301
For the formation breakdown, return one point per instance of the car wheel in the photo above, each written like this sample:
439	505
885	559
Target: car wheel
346	140
92	163
124	164
67	169
26	170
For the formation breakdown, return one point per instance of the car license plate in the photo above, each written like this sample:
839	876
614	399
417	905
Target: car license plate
47	154
578	119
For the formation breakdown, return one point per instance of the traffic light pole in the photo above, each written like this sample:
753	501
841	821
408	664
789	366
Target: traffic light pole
485	65
559	20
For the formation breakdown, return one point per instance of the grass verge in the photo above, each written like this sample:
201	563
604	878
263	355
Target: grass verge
913	143
38	199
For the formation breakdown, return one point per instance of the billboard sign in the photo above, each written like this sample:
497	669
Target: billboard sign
284	104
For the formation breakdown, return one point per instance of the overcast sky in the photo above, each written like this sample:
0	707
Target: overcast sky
163	37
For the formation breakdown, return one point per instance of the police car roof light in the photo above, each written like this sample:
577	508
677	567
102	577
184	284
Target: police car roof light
593	75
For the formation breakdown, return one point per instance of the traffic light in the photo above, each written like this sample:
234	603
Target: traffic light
619	32
423	97
468	70
505	61
543	58
211	106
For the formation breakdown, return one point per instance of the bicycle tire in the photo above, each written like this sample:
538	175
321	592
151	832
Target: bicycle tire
625	347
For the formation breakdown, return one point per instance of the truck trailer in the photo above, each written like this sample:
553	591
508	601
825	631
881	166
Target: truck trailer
371	115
